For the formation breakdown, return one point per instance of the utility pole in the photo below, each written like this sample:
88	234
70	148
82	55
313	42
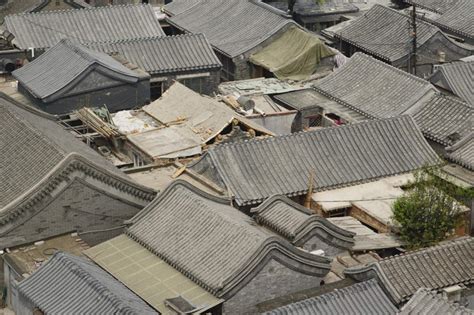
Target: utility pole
413	55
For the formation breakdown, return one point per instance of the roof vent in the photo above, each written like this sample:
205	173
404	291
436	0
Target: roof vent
180	305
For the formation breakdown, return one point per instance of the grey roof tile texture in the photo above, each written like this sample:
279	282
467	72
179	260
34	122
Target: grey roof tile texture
231	26
206	239
67	284
294	221
462	152
434	267
33	144
459	76
359	299
373	88
428	302
345	155
118	22
438	6
445	119
383	32
458	18
165	54
63	64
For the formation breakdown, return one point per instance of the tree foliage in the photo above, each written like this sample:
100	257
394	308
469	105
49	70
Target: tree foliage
427	213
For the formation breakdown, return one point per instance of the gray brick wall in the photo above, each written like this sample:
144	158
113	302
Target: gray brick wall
272	281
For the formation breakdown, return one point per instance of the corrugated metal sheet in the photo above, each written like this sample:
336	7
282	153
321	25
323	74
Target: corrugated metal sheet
435	267
118	22
339	156
60	65
147	275
373	88
445	119
361	298
67	284
156	55
232	26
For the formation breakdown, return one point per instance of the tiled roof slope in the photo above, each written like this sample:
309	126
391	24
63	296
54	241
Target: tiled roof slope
373	88
463	151
297	223
45	29
15	6
164	54
257	169
210	242
438	6
445	119
435	267
33	145
458	18
67	284
383	32
427	302
232	26
459	76
360	298
63	64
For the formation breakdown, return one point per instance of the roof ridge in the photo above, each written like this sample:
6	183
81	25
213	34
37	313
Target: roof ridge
323	130
108	7
405	15
146	38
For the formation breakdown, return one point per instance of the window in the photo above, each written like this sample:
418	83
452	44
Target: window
156	89
195	84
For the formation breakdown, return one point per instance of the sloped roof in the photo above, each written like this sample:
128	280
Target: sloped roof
373	88
463	151
458	18
63	64
438	6
295	223
232	27
155	275
428	302
165	54
34	146
383	32
67	284
458	76
257	169
360	298
294	55
445	119
434	267
14	7
45	29
210	242
204	115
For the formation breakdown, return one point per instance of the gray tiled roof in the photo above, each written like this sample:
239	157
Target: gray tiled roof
257	169
45	29
459	77
295	222
435	267
67	284
14	7
33	145
458	18
445	119
463	151
165	54
210	242
63	64
427	302
358	299
231	26
438	6
383	32
373	88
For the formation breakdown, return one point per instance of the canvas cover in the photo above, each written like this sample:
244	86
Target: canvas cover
295	55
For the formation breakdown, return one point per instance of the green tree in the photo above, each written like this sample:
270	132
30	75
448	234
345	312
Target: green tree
427	213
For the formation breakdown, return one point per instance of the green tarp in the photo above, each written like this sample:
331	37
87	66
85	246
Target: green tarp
295	55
